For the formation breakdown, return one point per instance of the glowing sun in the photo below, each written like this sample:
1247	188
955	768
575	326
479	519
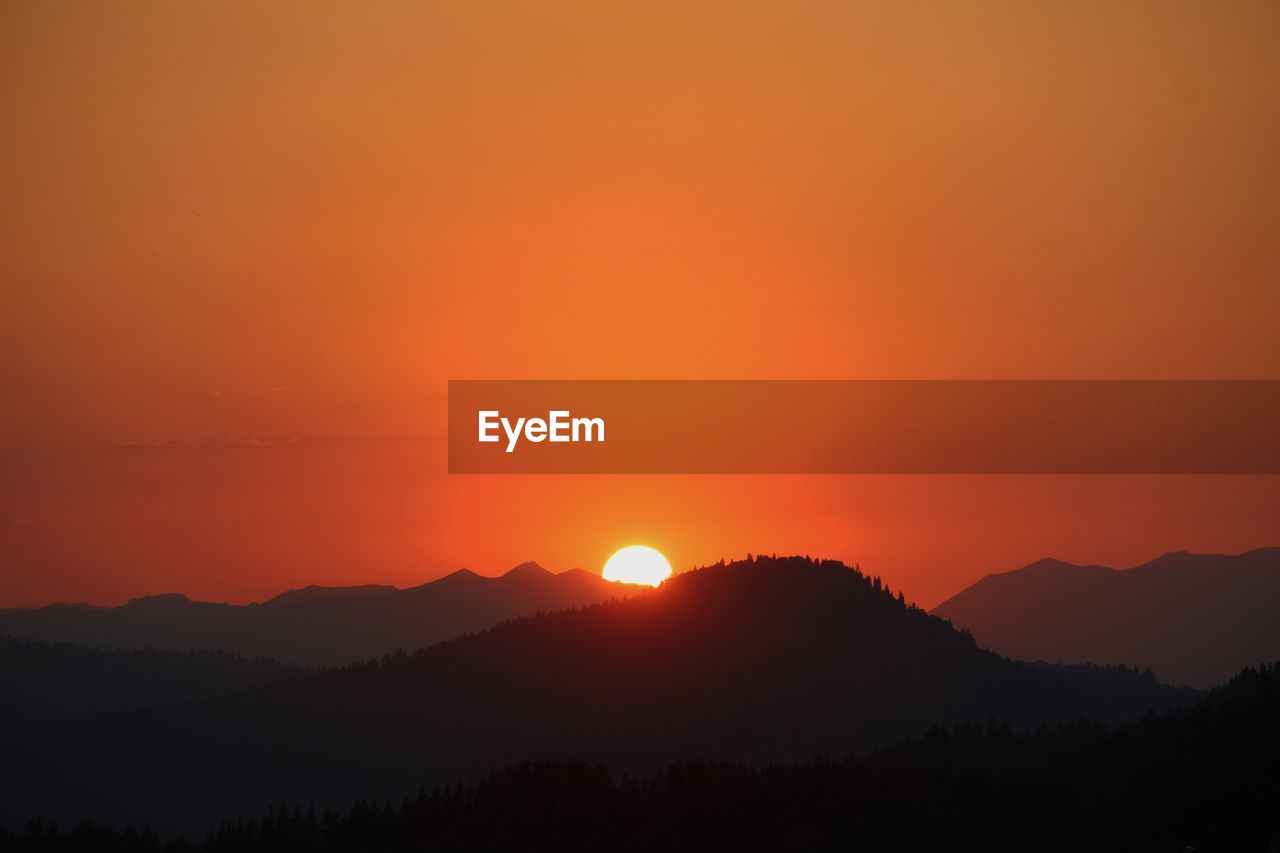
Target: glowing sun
637	564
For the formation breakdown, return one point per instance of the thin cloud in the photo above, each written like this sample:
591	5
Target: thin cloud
233	441
166	442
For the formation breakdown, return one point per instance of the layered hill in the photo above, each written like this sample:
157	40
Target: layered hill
764	661
1199	778
318	626
53	681
1193	618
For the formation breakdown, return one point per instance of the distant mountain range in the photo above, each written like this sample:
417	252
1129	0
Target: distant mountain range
1193	618
319	626
769	660
53	681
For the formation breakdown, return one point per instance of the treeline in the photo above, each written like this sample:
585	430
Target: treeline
1207	778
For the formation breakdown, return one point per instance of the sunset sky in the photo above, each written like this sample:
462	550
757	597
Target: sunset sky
244	245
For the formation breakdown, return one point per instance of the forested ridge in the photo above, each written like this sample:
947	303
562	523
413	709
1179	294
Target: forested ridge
1203	777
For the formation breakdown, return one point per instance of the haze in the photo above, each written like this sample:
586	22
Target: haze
243	246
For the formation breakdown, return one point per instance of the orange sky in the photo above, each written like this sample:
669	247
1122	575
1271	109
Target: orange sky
244	245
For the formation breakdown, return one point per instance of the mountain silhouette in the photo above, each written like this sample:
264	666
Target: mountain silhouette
768	660
1193	618
57	680
1200	778
315	625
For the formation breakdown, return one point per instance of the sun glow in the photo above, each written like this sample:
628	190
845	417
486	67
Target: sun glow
637	564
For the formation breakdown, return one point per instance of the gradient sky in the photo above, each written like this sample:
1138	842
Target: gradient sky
243	245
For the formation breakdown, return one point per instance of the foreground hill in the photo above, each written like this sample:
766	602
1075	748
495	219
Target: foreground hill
44	681
1193	618
1200	779
317	626
763	661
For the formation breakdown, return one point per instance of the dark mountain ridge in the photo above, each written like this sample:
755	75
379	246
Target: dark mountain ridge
51	681
770	660
1199	778
315	625
1193	618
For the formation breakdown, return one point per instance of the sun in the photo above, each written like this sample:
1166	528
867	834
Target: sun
637	564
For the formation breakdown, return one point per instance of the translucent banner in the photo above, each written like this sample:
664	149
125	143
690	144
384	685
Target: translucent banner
864	427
